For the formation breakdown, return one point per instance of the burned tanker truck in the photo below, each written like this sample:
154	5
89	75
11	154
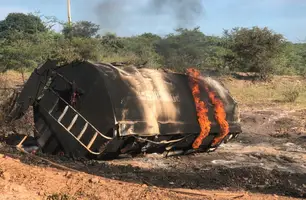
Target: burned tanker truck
100	110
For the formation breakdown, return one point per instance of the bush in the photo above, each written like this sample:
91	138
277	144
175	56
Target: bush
291	95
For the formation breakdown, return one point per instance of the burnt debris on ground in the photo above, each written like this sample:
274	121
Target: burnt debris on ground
209	171
252	162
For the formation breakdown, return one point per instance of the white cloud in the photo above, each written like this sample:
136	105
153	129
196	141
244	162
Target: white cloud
5	10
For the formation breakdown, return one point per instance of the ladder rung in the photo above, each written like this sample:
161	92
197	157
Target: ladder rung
50	111
63	114
72	122
83	131
92	140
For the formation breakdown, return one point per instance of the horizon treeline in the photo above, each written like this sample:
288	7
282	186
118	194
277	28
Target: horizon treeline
26	40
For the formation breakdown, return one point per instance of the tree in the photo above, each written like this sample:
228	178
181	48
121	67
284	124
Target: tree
25	53
20	22
112	43
255	49
299	50
189	48
181	50
142	47
19	55
150	37
84	29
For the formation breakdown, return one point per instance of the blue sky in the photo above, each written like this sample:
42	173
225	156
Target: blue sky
284	16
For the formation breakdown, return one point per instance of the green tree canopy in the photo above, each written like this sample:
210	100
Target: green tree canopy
84	29
188	48
20	22
255	49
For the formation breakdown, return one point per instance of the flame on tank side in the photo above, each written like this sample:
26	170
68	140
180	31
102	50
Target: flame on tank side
220	116
200	107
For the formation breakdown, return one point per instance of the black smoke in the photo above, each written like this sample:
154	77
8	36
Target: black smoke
184	12
118	15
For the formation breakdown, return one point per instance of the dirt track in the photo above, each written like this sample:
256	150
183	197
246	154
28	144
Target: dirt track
268	158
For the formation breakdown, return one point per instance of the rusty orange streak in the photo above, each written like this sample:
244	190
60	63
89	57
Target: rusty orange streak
220	116
200	107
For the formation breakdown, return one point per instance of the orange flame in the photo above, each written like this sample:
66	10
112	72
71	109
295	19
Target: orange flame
220	116
200	107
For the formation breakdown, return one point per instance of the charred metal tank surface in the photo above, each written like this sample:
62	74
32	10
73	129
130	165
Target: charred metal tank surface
102	110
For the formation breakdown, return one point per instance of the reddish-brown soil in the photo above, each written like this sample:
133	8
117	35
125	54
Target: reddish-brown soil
29	182
267	161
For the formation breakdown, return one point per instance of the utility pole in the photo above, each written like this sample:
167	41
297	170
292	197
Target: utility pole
69	12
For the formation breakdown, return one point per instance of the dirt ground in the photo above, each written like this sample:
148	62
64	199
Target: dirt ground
267	161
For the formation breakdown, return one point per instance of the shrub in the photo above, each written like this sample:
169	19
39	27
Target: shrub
291	95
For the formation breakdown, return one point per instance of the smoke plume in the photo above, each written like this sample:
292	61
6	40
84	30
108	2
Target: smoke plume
183	12
148	15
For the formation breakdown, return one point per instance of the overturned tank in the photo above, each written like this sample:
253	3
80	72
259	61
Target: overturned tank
101	110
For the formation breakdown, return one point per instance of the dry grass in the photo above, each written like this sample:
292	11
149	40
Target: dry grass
8	81
11	78
288	92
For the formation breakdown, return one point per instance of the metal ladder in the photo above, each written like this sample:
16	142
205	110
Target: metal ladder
77	115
